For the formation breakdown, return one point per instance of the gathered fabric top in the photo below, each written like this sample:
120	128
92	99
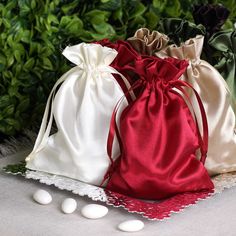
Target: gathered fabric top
189	50
91	55
152	68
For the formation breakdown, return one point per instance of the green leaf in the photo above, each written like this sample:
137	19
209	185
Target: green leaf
17	55
9	110
47	64
118	14
69	7
15	82
97	17
13	91
18	69
3	36
17	25
10	41
12	122
137	11
138	22
52	19
6	23
45	52
2	67
19	47
86	36
33	48
159	4
24	105
228	25
24	8
110	5
10	60
173	8
7	74
152	20
18	169
5	100
71	24
33	4
29	64
105	29
10	5
2	59
26	36
38	73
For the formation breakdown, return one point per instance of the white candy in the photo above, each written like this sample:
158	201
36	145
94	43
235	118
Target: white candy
42	197
131	226
69	205
94	211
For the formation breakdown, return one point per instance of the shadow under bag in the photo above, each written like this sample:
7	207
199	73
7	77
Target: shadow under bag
158	136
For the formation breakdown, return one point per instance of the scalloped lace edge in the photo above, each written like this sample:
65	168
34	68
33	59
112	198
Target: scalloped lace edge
152	210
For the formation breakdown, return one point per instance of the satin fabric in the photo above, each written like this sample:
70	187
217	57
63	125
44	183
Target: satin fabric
82	108
159	138
146	42
223	45
179	30
124	63
216	99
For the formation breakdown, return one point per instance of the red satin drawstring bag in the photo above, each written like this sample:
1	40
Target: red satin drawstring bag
158	136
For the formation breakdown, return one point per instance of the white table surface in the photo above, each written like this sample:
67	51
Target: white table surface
21	216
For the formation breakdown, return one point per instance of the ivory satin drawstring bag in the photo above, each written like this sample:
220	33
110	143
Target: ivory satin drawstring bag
217	102
81	103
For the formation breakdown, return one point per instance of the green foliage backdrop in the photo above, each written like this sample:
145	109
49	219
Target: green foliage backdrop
34	32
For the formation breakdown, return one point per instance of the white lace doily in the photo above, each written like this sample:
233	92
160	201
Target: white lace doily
153	210
64	183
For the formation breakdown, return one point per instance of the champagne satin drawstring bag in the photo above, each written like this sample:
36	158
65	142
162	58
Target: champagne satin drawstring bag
216	99
81	106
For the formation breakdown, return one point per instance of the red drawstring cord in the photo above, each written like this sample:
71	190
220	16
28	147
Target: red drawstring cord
204	139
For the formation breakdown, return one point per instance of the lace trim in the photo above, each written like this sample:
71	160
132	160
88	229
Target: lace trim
64	183
224	181
157	210
153	210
